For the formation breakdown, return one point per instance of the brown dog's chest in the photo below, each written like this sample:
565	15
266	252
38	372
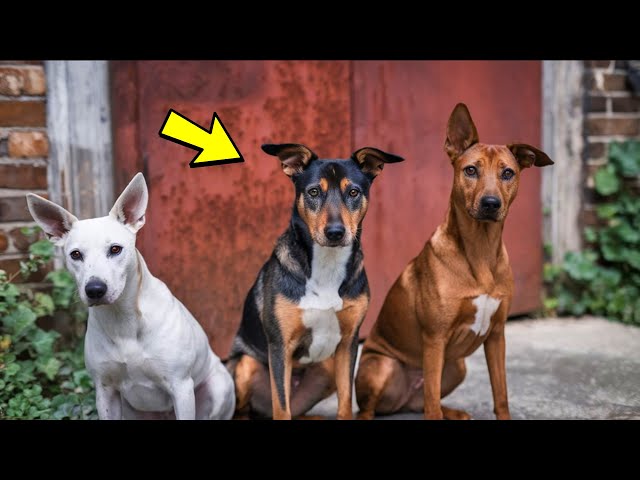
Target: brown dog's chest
474	320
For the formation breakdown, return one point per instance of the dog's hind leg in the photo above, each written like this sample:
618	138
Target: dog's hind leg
251	379
316	384
381	386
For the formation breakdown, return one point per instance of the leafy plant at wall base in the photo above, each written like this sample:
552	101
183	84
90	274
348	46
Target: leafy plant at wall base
42	374
604	279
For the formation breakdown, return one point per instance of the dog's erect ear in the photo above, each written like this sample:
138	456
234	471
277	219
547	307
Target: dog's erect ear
371	160
528	156
131	205
461	132
53	219
294	157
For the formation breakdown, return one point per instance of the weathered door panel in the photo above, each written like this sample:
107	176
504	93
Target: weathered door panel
209	230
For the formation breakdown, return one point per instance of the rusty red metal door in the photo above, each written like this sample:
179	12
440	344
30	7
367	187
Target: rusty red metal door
209	230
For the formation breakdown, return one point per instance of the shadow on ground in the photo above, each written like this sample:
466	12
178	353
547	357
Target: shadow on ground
587	368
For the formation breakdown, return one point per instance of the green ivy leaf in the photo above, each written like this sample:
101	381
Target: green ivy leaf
606	179
626	156
81	378
581	265
19	320
11	369
49	366
9	292
43	341
43	304
607	210
61	278
42	248
617	303
612	252
626	232
590	234
632	257
64	288
609	277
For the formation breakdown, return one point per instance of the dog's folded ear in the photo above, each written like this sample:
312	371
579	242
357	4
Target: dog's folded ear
527	156
371	160
54	220
461	132
131	205
294	157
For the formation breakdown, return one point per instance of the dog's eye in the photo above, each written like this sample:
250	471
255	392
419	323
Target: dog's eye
507	174
354	192
76	255
313	192
115	249
470	171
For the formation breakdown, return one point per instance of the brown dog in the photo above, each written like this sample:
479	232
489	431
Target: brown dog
455	295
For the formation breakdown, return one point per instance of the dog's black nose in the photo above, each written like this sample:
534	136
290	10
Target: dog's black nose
95	289
334	232
490	203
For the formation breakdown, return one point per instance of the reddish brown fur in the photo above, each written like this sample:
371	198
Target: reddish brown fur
422	334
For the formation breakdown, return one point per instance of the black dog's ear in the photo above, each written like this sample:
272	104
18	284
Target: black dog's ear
294	157
371	160
461	132
528	156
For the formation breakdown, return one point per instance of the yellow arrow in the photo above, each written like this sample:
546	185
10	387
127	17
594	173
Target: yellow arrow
215	146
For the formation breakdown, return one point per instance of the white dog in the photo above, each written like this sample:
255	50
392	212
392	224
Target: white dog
148	356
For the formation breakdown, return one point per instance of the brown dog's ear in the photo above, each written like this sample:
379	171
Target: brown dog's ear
528	156
461	132
371	160
294	157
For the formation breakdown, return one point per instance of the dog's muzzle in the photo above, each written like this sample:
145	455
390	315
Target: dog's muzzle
489	208
95	290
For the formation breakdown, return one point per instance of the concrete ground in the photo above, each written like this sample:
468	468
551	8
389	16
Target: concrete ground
587	368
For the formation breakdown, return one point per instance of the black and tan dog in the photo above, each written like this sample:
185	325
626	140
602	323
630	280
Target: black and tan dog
298	338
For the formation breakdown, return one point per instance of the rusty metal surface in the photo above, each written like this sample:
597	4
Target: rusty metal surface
403	107
209	230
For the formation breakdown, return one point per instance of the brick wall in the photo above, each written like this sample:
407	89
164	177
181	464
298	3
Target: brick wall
24	148
612	113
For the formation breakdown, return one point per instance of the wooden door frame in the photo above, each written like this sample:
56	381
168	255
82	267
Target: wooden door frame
81	163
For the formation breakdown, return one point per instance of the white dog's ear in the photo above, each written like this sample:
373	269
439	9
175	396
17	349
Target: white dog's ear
131	205
53	219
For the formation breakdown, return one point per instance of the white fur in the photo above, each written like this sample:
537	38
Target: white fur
321	300
143	348
486	306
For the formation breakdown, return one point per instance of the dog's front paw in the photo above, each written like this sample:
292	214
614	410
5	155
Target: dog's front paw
454	414
437	415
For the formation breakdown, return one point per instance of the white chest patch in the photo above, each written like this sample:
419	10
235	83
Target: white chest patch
321	301
486	306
